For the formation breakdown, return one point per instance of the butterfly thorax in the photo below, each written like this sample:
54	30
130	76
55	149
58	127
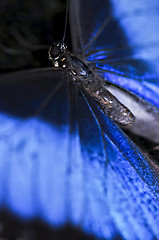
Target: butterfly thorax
62	58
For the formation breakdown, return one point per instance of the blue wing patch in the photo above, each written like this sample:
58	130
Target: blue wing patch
71	164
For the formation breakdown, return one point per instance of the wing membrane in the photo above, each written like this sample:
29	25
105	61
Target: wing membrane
66	164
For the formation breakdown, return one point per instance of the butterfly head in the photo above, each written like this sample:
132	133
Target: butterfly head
57	54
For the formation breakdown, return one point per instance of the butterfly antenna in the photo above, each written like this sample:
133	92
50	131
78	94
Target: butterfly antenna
66	20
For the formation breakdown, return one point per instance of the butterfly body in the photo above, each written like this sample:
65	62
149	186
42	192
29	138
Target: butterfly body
83	74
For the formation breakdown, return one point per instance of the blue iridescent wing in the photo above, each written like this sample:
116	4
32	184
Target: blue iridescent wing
63	162
52	165
127	195
120	39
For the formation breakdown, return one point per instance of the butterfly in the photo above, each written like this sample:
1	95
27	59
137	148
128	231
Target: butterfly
63	159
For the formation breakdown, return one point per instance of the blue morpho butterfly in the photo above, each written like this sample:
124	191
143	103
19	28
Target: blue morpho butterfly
63	159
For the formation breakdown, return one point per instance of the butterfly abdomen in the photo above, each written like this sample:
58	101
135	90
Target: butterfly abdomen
110	105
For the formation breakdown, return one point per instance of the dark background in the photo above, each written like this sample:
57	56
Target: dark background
27	28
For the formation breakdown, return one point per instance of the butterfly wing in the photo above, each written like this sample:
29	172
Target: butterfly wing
123	188
65	162
121	41
52	163
128	197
